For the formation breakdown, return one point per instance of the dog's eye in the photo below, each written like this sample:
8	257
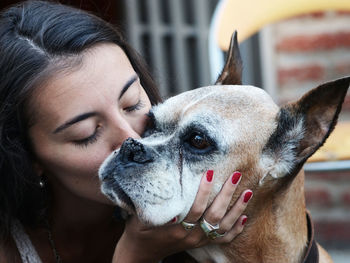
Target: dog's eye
198	141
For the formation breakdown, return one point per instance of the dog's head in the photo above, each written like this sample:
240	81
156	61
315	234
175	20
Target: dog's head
224	128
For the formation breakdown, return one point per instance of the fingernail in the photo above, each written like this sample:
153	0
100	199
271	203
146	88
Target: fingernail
247	196
235	177
210	174
174	220
244	220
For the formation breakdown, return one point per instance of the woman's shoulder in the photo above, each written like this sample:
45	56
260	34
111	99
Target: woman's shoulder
9	252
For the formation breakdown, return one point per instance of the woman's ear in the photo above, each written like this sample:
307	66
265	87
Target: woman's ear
39	170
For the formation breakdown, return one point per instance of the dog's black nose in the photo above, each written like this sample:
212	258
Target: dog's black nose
133	151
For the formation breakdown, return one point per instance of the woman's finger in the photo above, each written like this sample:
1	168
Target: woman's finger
234	231
229	220
201	201
218	208
232	223
193	235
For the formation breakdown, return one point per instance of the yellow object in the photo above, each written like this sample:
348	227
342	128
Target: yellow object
249	16
337	146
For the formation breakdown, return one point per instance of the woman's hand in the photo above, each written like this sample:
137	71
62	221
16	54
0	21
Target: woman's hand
140	243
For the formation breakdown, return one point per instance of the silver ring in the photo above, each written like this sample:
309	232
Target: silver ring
209	229
214	235
188	226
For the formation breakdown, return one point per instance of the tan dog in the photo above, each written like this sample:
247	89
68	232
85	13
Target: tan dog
227	129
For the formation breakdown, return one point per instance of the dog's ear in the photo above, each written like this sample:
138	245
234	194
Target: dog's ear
232	71
303	127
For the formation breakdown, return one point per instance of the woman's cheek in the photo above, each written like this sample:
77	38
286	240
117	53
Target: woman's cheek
79	176
90	162
75	160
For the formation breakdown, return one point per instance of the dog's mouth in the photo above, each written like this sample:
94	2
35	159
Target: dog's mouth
149	198
117	195
124	197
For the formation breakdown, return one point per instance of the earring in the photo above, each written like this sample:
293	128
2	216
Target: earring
40	173
42	182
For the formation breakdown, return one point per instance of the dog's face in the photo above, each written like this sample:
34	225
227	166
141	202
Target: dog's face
222	128
207	128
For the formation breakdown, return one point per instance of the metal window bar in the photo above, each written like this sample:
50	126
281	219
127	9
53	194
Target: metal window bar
172	35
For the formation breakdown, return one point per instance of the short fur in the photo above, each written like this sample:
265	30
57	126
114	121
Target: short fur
157	177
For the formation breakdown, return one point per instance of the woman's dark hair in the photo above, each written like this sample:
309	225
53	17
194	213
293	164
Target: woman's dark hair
34	36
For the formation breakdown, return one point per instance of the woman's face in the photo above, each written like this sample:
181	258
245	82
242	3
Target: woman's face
83	115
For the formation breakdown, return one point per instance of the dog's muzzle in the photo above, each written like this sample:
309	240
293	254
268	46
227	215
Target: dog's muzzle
128	179
122	167
133	152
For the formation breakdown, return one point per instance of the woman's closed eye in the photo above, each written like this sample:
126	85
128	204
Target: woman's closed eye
90	139
94	137
138	106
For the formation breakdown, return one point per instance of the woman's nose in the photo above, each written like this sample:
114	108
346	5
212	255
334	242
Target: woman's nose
121	131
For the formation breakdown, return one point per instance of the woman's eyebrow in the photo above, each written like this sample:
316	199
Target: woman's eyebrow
127	85
74	120
87	115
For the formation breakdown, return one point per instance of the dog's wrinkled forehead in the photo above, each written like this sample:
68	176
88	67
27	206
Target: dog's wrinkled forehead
246	104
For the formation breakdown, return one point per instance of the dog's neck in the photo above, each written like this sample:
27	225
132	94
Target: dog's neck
277	233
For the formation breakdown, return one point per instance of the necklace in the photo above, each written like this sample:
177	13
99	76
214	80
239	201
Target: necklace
58	258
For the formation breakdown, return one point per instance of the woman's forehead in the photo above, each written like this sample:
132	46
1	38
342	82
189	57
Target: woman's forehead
103	71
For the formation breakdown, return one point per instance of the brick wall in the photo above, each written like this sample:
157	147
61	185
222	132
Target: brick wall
309	50
328	199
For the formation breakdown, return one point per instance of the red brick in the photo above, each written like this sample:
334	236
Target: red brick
329	176
346	104
300	74
342	68
318	197
344	13
316	15
346	198
338	231
304	43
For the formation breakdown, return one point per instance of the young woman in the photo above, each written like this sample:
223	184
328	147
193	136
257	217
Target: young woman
71	91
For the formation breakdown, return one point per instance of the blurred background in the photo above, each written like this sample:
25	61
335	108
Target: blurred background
286	55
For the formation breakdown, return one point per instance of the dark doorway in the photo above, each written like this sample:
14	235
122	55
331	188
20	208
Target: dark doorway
110	10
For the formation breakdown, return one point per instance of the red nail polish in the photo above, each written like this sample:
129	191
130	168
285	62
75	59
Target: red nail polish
210	174
244	220
247	196
235	177
174	220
